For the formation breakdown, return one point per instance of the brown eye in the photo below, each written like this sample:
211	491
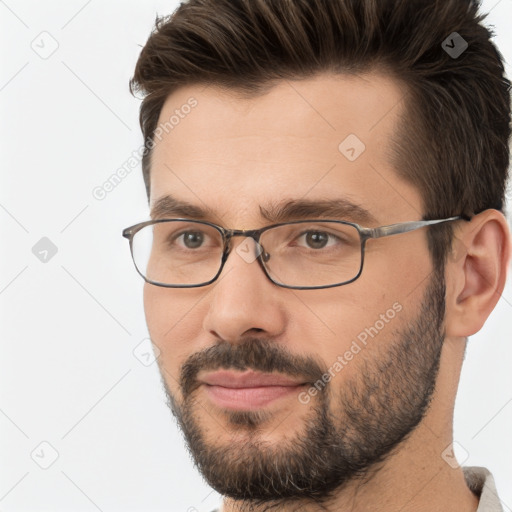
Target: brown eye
193	239
316	239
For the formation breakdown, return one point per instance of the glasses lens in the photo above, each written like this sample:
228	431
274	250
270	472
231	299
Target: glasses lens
312	254
178	253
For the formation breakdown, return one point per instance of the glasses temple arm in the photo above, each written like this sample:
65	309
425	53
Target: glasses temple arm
404	227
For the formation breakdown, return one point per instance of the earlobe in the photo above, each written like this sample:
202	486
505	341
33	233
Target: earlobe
476	277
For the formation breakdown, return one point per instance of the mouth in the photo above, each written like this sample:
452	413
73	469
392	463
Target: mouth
248	390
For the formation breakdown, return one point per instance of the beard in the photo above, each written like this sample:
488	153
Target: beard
343	437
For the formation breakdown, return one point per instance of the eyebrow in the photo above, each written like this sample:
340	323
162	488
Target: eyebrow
299	209
168	206
293	209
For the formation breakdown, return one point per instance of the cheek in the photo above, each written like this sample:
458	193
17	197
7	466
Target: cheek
350	320
156	308
174	322
169	311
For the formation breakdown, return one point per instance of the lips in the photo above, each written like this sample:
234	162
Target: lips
249	379
248	390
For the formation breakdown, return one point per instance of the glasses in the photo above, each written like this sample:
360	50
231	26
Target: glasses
303	255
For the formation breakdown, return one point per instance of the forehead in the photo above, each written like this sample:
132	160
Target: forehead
319	139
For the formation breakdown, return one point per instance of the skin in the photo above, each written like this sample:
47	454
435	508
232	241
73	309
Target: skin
232	155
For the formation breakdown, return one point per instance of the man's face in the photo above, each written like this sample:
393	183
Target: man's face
240	357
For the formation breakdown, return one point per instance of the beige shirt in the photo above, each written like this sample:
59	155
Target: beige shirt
481	482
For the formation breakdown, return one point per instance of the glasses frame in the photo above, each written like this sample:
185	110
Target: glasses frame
365	234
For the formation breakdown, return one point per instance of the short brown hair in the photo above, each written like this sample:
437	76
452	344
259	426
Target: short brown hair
453	142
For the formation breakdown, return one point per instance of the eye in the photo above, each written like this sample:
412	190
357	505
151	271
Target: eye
192	239
318	239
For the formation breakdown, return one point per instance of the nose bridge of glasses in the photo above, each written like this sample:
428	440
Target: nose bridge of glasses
247	251
229	234
249	233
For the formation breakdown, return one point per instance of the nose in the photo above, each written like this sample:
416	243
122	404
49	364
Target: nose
243	301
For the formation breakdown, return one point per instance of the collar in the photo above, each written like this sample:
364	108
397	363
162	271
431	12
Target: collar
481	482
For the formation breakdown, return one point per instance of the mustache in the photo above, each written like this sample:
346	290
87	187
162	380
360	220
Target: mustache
251	354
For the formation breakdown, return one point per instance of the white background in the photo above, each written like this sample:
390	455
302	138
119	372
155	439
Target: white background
69	328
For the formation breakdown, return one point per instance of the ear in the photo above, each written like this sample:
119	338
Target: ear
476	272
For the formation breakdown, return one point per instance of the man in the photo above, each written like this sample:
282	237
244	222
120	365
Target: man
287	143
